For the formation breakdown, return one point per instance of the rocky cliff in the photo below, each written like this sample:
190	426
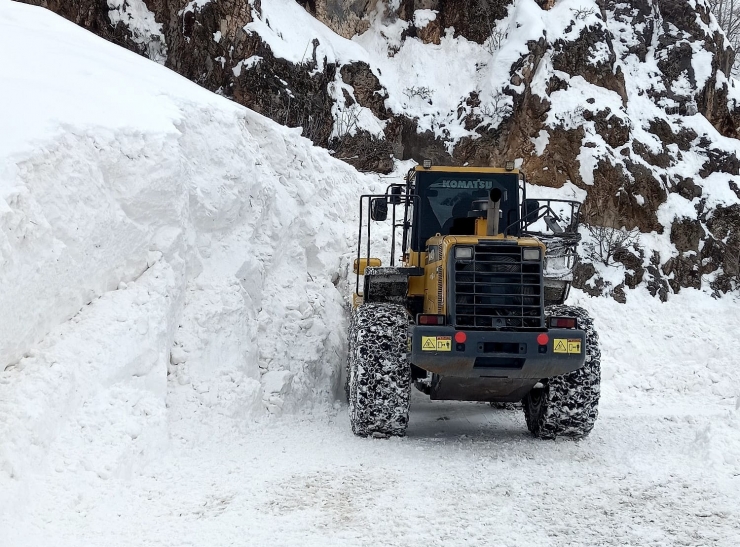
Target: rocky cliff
626	104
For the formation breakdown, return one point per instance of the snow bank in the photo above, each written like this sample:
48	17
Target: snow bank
150	229
663	353
95	387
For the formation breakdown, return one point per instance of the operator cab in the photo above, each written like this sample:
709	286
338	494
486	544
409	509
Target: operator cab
449	202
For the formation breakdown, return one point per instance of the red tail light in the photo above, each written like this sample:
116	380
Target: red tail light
426	319
563	323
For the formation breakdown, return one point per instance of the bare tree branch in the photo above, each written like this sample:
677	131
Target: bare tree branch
727	13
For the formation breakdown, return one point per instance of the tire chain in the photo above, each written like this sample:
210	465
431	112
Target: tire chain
378	375
568	404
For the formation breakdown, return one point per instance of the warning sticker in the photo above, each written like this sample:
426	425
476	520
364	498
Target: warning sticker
429	343
444	343
574	346
436	343
560	345
566	345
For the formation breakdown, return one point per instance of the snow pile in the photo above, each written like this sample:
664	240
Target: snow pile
150	229
697	347
676	360
95	385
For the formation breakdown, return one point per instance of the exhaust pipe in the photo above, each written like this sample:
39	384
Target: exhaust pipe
494	208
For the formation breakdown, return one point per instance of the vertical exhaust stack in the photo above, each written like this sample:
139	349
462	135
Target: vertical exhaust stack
494	208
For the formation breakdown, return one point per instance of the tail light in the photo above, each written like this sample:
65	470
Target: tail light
427	319
563	323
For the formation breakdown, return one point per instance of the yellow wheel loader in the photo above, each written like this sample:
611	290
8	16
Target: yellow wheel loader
474	307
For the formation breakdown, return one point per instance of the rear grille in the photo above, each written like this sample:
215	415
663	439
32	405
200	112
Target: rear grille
497	289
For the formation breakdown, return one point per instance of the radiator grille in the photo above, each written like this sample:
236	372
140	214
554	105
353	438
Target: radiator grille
440	294
496	289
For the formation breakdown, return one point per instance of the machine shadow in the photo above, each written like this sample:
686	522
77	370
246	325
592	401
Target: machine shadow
453	420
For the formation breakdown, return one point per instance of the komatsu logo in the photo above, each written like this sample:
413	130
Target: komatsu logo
476	184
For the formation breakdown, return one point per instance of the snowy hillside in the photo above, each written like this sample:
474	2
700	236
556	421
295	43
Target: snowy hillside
173	280
630	103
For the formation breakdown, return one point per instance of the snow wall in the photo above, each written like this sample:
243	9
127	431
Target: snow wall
149	228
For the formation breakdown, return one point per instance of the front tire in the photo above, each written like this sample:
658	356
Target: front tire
379	376
567	405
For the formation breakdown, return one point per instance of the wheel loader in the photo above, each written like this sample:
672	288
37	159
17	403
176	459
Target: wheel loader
471	303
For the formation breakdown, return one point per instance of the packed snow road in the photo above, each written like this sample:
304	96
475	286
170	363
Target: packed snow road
662	466
465	475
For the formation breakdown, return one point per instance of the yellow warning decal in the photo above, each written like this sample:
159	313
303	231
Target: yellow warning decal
574	346
436	343
429	343
566	345
444	343
560	345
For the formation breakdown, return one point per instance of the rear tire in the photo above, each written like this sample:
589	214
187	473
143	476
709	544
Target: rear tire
567	405
379	376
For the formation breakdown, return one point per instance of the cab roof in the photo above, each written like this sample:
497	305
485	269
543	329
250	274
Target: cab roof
471	170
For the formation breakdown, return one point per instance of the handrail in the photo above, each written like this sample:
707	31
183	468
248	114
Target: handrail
403	199
527	219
